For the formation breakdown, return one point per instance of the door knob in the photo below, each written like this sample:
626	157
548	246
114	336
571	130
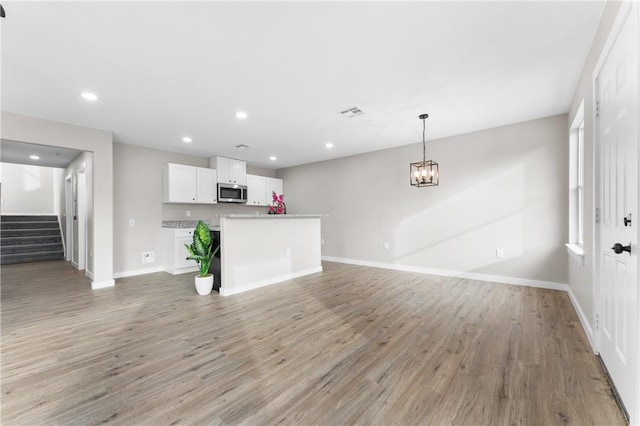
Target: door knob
619	248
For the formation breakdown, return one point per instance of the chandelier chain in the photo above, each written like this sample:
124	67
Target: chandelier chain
424	127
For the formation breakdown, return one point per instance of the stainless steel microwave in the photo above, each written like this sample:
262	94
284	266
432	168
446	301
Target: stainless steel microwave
232	193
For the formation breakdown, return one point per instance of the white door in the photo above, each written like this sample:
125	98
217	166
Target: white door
68	213
617	138
82	219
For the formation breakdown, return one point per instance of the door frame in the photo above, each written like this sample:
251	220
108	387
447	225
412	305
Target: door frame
82	219
68	211
620	20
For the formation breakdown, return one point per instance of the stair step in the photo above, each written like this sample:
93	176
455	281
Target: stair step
28	218
31	248
29	225
10	233
33	257
21	241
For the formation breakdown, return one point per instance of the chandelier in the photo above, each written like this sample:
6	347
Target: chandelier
425	172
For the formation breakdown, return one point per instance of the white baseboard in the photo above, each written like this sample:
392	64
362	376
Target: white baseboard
125	274
583	320
257	284
102	284
89	274
458	274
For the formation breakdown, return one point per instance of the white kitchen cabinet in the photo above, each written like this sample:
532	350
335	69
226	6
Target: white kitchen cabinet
179	183
229	170
260	190
175	253
206	186
188	184
271	185
256	187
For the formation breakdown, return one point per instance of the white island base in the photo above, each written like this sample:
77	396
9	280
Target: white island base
261	250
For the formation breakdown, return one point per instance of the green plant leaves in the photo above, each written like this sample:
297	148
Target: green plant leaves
200	249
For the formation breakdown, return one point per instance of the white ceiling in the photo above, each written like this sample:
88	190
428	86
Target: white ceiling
20	153
163	70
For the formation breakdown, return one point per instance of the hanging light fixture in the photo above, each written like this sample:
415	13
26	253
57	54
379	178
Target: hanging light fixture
424	173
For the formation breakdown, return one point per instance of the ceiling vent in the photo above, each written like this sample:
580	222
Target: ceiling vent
352	112
242	146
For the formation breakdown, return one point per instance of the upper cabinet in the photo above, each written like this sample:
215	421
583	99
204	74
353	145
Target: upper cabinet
256	191
188	184
229	170
179	183
273	185
206	186
260	188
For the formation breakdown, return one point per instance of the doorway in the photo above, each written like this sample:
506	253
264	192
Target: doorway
68	213
82	219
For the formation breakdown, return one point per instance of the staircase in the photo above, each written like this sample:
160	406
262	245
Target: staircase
30	239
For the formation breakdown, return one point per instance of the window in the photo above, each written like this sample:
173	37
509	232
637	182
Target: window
576	186
580	184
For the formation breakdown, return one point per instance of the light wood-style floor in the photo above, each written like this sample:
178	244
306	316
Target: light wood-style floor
348	345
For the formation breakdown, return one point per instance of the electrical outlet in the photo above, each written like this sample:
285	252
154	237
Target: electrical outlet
288	252
132	222
322	241
499	253
386	245
148	257
188	213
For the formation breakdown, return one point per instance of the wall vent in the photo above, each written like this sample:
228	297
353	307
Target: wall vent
351	112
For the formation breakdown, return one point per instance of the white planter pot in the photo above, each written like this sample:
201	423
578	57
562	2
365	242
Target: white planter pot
204	285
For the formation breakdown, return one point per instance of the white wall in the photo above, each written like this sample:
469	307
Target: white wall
100	222
581	277
265	250
138	196
28	189
499	188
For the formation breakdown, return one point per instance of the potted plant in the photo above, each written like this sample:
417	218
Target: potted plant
278	207
201	251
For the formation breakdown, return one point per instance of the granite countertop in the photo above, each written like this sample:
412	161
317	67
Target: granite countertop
270	216
177	224
186	224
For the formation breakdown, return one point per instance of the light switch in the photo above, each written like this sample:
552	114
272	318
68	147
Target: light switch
132	222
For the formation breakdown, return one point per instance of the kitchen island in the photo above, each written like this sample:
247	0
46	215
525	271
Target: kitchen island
259	250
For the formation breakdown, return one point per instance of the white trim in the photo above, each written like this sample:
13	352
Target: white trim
270	281
458	274
583	320
74	264
102	284
125	274
576	252
89	274
180	271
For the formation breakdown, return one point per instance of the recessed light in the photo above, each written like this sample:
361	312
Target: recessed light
187	139
34	157
89	96
241	115
273	158
328	145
